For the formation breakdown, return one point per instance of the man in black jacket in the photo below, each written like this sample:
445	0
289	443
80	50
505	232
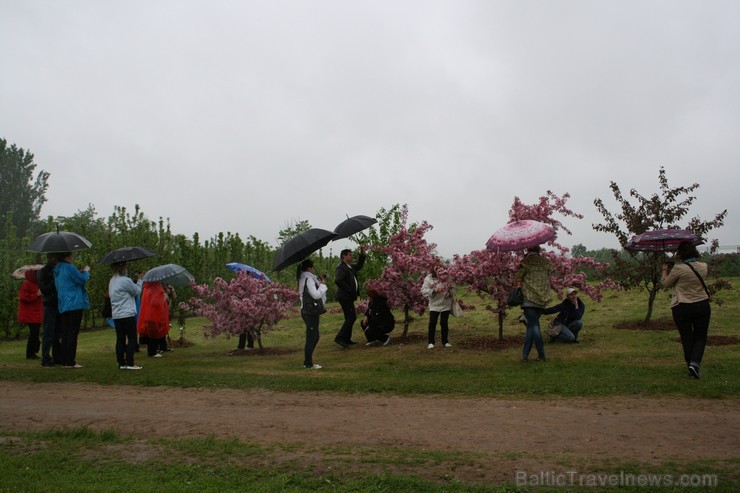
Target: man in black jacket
348	289
50	340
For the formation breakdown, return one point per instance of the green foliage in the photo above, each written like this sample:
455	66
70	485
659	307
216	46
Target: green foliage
22	194
663	210
10	259
389	223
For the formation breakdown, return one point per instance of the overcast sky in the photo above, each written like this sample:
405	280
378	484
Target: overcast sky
248	116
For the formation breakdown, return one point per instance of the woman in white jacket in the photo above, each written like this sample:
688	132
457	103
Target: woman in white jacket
317	290
441	297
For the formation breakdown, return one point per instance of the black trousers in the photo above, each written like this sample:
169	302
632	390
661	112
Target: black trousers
312	338
376	333
350	316
433	316
34	341
125	340
692	321
70	330
245	340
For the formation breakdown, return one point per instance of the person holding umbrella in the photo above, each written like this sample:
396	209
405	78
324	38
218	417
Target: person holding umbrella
31	311
348	289
689	303
533	276
309	284
154	316
50	348
123	292
72	300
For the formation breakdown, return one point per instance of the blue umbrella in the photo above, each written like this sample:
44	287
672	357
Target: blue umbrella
255	273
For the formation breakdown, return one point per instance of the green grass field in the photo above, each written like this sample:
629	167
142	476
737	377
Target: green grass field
608	362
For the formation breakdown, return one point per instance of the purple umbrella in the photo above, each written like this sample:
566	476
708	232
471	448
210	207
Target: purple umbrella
518	235
255	273
661	240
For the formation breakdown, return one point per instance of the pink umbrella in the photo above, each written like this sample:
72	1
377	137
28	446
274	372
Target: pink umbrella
518	235
661	240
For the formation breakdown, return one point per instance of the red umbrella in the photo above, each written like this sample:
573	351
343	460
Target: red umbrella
518	235
661	240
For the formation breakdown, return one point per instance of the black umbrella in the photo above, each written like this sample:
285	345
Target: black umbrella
353	225
174	274
127	254
58	242
301	246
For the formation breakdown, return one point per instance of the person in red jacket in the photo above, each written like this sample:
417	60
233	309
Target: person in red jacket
31	312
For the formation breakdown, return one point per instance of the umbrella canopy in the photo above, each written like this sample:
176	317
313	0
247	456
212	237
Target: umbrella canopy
256	273
174	274
301	246
518	235
661	240
20	272
353	225
126	254
58	242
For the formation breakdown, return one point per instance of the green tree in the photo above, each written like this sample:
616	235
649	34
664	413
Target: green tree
11	257
291	229
663	210
23	194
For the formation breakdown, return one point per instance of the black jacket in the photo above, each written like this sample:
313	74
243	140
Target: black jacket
46	285
566	311
346	280
379	315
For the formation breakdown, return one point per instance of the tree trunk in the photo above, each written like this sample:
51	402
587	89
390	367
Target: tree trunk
500	326
651	301
406	321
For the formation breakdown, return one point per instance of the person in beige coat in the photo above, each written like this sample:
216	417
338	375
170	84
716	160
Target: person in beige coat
689	303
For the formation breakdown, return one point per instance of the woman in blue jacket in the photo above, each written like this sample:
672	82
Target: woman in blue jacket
72	295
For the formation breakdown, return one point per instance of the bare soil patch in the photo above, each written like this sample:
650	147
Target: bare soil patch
482	440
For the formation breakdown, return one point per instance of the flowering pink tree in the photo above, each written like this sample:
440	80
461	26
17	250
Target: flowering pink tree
410	257
491	274
243	304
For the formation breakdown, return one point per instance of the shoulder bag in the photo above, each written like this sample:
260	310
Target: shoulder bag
310	305
516	297
701	280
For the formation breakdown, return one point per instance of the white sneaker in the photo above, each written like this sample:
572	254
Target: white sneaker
431	346
447	344
122	367
317	367
156	356
387	341
135	367
371	343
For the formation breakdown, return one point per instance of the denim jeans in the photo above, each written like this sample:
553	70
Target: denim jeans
312	338
533	334
569	333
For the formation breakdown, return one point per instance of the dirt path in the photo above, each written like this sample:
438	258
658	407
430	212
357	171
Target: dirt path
631	429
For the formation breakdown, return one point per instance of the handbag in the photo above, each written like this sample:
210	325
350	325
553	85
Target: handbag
457	310
311	306
516	297
553	328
